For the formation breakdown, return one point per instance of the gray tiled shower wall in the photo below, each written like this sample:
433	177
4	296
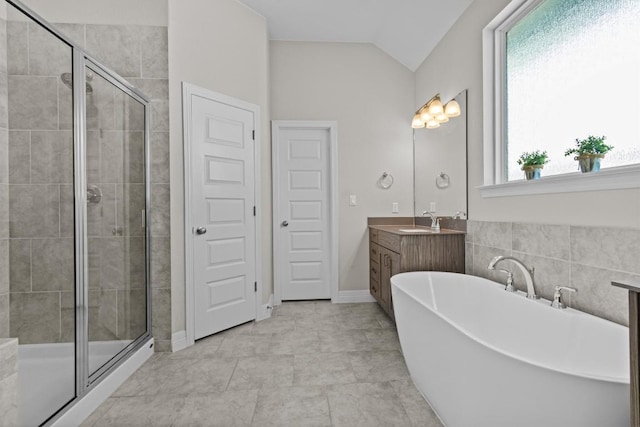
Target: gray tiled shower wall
37	258
585	258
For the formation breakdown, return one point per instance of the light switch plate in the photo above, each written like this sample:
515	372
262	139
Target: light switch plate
394	207
353	200
432	207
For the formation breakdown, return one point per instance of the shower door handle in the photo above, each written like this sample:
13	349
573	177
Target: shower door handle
201	230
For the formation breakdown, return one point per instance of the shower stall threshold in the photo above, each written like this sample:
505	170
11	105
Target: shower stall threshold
76	413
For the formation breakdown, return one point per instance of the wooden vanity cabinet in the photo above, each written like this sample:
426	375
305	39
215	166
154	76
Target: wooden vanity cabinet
394	252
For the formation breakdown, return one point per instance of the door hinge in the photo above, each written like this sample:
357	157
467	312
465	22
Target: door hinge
254	211
253	135
255	286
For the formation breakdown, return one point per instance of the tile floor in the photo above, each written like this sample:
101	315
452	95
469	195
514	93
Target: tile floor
310	364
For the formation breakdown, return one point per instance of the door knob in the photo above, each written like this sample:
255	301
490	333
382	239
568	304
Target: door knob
285	223
201	230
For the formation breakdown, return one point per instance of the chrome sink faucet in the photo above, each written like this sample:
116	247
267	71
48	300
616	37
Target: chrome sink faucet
435	221
528	277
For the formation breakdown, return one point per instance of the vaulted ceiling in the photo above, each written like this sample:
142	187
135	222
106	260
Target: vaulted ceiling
407	30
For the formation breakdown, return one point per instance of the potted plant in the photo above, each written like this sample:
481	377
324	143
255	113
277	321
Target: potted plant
589	152
532	162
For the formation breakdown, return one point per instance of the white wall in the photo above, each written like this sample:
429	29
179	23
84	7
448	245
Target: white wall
220	45
456	64
371	96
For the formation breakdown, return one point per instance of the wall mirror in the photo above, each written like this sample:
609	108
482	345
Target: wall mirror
440	165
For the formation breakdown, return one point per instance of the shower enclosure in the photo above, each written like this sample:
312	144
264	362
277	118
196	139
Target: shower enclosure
74	142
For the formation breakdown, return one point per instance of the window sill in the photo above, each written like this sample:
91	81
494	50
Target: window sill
616	178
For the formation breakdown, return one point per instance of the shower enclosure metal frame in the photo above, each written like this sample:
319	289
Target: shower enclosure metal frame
85	380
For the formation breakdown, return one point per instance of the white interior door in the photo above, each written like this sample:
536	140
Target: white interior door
222	215
303	213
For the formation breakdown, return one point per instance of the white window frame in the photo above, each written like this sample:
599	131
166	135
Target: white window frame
494	82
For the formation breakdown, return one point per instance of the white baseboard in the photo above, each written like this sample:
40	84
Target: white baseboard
101	392
178	341
353	296
265	310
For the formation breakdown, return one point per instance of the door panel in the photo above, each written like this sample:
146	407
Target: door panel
223	197
304	233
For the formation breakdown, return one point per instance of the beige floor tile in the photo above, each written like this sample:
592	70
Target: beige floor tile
245	345
322	369
349	340
224	409
292	407
366	405
294	308
296	342
378	366
383	339
418	410
275	325
152	411
264	371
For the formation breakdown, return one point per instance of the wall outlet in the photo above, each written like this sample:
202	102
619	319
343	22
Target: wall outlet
353	200
432	207
394	207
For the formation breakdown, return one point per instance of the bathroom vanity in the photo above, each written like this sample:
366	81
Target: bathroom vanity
396	248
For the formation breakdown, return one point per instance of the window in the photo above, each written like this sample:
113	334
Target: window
557	70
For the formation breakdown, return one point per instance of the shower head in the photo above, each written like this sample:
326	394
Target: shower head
67	79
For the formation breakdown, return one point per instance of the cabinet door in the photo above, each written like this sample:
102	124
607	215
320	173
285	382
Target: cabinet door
374	270
394	268
385	276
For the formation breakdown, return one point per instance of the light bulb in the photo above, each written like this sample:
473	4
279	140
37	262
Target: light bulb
452	109
425	116
442	118
417	122
432	124
435	107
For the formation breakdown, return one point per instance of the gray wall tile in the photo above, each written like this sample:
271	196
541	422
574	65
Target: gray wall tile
33	102
596	295
482	256
8	357
35	317
161	303
493	234
132	315
155	89
4	316
4	211
4	266
155	62
67	316
118	46
160	116
3	46
10	401
19	157
4	100
607	247
20	265
51	157
4	156
111	160
133	150
112	263
160	157
160	262
130	199
160	224
17	48
551	241
34	211
468	258
67	210
548	273
53	266
48	55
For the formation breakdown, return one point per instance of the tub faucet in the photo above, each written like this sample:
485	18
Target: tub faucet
435	221
528	277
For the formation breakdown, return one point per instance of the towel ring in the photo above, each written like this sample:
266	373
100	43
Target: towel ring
385	181
442	180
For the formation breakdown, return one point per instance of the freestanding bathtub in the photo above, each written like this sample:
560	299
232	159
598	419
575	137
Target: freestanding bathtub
485	357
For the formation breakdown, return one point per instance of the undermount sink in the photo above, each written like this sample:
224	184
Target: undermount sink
417	230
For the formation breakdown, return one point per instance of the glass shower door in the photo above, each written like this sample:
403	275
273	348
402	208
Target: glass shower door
116	219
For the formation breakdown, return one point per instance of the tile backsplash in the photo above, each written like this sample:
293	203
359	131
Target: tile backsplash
585	258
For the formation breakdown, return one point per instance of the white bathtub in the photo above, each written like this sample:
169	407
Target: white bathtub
482	356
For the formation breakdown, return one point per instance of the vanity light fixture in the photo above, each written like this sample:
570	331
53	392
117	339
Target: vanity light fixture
432	114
